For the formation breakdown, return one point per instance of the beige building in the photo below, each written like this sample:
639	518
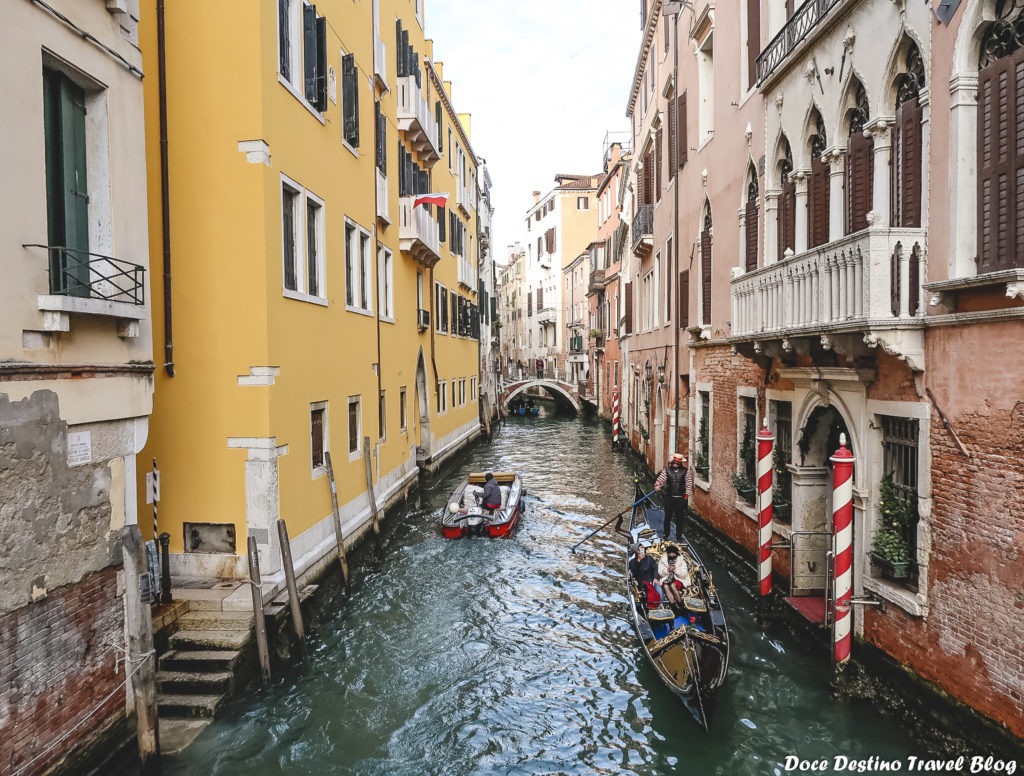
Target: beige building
75	372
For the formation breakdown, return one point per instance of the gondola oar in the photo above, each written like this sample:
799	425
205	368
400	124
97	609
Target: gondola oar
624	511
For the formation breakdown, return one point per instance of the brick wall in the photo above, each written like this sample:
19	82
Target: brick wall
57	664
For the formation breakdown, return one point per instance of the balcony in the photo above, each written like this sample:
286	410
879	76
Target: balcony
800	25
93	284
596	281
642	231
852	295
380	63
546	315
463	200
383	203
416	121
417	233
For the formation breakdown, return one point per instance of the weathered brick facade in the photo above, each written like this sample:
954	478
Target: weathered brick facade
61	666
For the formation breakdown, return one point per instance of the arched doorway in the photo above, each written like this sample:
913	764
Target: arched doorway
423	439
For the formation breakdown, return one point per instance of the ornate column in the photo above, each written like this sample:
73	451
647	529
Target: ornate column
771	225
963	184
835	158
880	131
800	178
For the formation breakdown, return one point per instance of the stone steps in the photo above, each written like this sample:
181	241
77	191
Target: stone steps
194	682
195	705
199	660
208	620
209	639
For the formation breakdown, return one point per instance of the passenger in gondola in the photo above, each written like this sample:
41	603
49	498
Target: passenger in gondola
491	496
675	576
645	570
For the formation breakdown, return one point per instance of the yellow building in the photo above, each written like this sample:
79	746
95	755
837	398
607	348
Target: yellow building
304	316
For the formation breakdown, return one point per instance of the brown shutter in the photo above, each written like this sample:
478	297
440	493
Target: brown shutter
751	226
908	129
681	129
549	240
705	275
684	299
818	203
787	218
859	181
529	304
753	39
672	143
1000	160
629	308
540	298
657	164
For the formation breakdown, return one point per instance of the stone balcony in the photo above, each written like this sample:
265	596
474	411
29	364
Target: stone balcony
418	233
546	315
416	121
852	294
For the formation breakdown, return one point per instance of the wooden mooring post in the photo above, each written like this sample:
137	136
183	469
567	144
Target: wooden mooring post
289	578
256	586
370	493
141	655
339	539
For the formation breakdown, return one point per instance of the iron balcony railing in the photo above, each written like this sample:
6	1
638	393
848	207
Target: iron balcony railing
74	272
789	37
596	280
643	225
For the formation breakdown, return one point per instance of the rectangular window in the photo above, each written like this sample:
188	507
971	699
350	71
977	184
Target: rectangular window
453	395
314	246
318	434
365	300
354	425
668	282
403	411
702	464
382	416
899	462
450	154
289	208
746	480
351	263
302	51
385	279
782	498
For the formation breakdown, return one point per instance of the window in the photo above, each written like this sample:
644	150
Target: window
454	405
403	410
583	203
382	416
365	300
462	392
441	308
289	207
349	100
818	188
450	154
472	389
906	144
351	265
381	150
787	203
746	479
668	282
355	429
860	165
706	89
705	267
385	280
658	140
782	491
899	462
314	246
753	40
318	435
703	456
302	51
750	221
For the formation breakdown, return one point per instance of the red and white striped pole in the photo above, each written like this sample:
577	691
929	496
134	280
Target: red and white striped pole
842	536
615	416
765	471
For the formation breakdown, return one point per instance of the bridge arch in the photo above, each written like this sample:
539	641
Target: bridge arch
550	385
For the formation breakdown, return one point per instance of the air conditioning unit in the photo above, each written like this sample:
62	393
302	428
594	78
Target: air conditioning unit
423	319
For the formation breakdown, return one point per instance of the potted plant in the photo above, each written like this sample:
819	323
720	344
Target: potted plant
745	487
890	548
596	334
782	506
701	462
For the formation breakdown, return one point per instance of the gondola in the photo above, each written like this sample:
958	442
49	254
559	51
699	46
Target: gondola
687	644
466	517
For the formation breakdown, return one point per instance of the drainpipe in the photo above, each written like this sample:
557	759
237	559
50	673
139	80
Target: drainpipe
675	242
165	207
376	161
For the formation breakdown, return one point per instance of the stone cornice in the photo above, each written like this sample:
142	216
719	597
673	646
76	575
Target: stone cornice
645	49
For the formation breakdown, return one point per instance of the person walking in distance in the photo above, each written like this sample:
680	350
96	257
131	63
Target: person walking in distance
677	481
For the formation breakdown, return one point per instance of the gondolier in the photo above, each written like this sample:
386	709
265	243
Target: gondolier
677	481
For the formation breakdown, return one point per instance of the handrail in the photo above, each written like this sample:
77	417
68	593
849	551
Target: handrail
643	224
800	24
105	277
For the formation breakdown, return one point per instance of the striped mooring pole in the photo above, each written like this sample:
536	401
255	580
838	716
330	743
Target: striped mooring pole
765	473
842	537
615	416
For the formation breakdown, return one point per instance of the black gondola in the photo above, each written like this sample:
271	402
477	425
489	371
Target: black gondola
688	643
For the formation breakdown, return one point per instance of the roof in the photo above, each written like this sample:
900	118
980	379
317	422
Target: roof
641	60
570	181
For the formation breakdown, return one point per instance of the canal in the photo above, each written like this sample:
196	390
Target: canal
515	656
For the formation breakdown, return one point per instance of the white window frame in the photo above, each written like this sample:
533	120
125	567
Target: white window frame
583	203
302	197
297	239
296	60
403	409
362	264
354	455
319	471
382	414
386	283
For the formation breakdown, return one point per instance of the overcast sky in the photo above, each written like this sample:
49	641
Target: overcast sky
544	80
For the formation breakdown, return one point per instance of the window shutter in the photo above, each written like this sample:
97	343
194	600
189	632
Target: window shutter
681	130
399	67
442	233
859	181
705	275
289	240
312	284
657	163
906	165
672	143
753	39
684	299
751	228
309	52
440	127
350	99
382	128
818	204
629	308
540	298
321	63
787	218
529	304
283	40
649	178
549	240
406	59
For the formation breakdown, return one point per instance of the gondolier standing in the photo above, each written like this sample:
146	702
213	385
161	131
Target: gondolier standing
677	480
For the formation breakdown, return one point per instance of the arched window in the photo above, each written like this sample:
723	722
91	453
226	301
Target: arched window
906	176
1000	150
787	204
860	165
705	266
818	188
750	220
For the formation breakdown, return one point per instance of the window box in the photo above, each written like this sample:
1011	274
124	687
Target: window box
897	571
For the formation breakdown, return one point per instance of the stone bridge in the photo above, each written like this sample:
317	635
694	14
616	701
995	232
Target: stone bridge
569	390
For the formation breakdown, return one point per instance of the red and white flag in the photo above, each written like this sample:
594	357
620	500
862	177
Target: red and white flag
439	199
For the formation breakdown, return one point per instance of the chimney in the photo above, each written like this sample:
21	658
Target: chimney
536	197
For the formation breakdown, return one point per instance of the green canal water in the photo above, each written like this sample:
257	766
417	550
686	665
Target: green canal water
515	656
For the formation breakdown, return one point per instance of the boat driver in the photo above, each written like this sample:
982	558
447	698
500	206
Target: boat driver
491	497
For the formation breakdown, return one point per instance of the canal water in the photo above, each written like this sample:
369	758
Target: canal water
515	656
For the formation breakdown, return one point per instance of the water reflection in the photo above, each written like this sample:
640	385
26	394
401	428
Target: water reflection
516	657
